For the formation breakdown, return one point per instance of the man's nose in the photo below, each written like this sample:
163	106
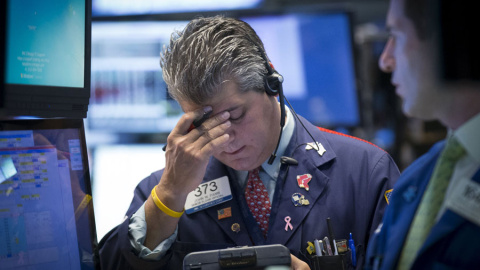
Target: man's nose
387	61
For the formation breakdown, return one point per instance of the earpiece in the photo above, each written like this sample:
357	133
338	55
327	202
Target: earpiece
273	79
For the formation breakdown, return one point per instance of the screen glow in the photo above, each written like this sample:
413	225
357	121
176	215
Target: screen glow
46	43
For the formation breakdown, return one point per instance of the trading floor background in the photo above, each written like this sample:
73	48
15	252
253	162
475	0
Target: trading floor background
327	51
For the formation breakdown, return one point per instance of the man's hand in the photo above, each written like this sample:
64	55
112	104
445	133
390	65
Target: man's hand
186	158
187	153
298	264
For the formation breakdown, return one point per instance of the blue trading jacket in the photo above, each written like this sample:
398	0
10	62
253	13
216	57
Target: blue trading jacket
453	243
349	184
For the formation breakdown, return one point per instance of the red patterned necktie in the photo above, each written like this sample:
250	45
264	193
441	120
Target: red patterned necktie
257	199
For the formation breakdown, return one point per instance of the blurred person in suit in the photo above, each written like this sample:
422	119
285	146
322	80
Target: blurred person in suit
433	220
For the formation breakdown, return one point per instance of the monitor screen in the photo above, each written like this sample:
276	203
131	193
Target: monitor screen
128	7
46	208
128	91
47	57
314	53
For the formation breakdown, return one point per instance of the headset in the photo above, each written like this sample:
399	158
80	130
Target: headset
273	80
273	86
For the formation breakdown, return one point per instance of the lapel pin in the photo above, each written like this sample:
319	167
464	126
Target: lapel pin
303	180
317	146
288	225
224	213
410	194
235	227
299	200
387	195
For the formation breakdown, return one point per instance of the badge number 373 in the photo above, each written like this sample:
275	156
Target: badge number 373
205	188
208	194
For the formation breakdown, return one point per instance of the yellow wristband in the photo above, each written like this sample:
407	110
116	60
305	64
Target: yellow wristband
163	207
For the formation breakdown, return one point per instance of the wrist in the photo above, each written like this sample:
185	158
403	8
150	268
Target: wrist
169	207
171	193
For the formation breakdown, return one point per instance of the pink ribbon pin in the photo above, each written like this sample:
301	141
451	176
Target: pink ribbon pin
289	225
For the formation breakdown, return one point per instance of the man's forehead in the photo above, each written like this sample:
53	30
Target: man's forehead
396	15
226	100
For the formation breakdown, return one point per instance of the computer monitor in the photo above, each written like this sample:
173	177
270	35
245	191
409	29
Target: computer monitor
47	58
46	209
314	53
128	7
128	90
3	21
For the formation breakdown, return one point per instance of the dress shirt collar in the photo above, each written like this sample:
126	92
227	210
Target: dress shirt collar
468	135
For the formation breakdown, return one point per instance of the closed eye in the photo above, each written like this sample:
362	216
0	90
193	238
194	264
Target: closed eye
238	118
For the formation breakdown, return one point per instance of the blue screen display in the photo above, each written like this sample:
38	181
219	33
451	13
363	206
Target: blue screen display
129	7
46	43
45	198
315	56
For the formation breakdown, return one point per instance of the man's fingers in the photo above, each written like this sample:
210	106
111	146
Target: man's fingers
214	144
196	140
187	120
213	122
214	138
216	120
212	128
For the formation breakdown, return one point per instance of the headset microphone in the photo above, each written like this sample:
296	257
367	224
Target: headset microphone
288	161
282	123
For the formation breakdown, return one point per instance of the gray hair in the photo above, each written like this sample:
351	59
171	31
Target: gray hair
209	52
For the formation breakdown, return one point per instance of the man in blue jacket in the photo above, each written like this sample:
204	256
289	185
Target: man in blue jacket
252	173
433	220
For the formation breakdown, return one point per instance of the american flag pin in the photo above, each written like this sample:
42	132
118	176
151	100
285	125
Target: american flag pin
224	213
